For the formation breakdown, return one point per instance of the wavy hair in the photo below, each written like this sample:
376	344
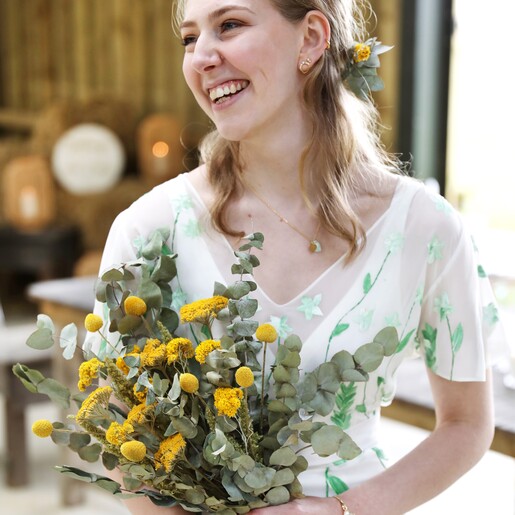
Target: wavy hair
347	146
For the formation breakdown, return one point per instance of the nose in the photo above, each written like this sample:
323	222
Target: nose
206	55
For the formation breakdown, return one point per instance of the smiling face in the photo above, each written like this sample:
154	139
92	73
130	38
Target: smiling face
240	62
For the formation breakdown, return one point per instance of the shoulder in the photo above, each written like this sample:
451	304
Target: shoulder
430	214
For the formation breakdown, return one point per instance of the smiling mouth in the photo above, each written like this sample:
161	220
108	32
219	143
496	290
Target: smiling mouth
222	93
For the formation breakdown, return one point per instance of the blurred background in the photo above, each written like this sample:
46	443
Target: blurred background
94	111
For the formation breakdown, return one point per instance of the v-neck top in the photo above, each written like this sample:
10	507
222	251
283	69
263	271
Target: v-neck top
418	272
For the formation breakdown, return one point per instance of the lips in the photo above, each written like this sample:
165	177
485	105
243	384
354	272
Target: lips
221	93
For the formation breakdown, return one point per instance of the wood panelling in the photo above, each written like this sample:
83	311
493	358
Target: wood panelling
53	50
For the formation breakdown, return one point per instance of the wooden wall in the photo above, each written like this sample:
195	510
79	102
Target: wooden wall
53	50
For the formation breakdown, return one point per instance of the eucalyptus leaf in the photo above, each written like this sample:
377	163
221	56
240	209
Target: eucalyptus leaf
348	449
326	441
45	322
68	340
150	292
285	456
112	275
354	376
78	440
186	427
90	453
238	290
369	356
343	361
41	339
56	392
128	324
283	477
389	339
247	307
278	495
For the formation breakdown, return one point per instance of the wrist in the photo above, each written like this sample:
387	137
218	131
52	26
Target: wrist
344	508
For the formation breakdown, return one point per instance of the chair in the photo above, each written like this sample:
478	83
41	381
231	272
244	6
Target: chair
13	350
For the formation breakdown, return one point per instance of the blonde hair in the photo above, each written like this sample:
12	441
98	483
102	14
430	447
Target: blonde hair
348	145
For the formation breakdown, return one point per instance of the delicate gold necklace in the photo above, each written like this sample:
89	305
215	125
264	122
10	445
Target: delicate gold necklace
314	244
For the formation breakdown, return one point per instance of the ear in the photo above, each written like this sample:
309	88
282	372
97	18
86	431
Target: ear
317	35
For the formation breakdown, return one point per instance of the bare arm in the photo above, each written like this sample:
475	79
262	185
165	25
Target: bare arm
463	433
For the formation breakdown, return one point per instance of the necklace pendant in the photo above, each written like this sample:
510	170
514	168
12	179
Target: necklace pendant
315	247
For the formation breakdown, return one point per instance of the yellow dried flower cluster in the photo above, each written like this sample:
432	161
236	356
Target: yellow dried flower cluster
141	395
169	451
244	377
189	383
203	310
204	348
88	370
228	401
177	348
361	52
134	306
93	323
153	354
117	434
266	333
134	451
120	363
137	415
97	398
42	428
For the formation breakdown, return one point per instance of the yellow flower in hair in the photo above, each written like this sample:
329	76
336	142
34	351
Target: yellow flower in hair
244	377
117	434
42	428
203	310
361	52
135	306
177	348
93	323
204	348
266	333
134	451
168	452
88	370
228	401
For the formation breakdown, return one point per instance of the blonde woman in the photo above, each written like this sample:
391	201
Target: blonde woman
350	245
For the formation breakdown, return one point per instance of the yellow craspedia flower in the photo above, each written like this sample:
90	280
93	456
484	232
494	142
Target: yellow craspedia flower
153	354
266	333
204	348
117	434
134	306
361	52
177	348
42	428
228	401
244	377
93	323
134	451
88	370
189	383
203	310
168	452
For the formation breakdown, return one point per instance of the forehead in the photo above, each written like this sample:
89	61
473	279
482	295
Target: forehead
190	10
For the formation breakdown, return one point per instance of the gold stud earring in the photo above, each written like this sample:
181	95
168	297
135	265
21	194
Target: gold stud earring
328	44
305	65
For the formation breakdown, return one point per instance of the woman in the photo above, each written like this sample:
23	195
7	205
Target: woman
349	246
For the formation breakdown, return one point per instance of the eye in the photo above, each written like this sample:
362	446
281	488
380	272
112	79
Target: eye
230	25
188	40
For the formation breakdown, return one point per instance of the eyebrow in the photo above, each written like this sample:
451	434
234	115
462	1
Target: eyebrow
216	14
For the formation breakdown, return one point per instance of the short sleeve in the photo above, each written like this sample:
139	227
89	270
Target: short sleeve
459	323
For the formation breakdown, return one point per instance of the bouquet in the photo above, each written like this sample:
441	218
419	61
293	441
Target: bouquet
200	422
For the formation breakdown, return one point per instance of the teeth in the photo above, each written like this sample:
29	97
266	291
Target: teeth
220	92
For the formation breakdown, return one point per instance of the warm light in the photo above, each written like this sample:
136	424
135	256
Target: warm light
29	205
160	149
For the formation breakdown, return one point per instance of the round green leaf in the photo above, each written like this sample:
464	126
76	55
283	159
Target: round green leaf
285	456
326	441
388	338
369	356
41	339
278	495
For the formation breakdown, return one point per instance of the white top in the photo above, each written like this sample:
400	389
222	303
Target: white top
418	272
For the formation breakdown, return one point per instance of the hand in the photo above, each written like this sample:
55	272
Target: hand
305	506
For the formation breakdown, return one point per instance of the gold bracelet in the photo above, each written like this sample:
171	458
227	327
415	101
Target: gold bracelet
344	507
